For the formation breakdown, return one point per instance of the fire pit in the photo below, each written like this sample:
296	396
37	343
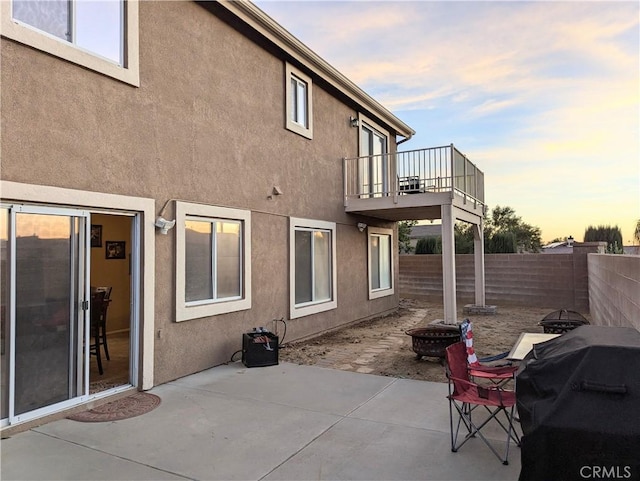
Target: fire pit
433	340
561	321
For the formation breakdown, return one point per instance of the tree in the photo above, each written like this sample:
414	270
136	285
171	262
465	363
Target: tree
463	236
502	243
404	231
503	220
636	233
605	233
429	245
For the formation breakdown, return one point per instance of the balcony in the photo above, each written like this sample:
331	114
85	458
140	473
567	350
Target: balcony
413	185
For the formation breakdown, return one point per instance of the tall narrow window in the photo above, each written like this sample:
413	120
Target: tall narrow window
212	254
299	108
299	101
380	262
313	266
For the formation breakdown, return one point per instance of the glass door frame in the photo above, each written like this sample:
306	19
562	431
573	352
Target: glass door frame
374	170
80	298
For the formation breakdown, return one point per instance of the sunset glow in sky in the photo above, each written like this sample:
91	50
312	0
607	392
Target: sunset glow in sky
542	96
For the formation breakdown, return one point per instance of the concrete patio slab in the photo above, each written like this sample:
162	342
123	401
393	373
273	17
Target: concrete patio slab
284	422
309	387
203	435
34	455
364	450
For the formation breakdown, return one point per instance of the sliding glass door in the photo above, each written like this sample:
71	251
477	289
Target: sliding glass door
45	265
373	168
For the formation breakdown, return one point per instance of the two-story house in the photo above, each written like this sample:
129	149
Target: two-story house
212	171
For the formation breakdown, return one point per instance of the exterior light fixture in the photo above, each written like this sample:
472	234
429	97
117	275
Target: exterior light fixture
353	121
164	225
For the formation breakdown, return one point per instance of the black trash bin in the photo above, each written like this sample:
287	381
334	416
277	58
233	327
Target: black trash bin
578	397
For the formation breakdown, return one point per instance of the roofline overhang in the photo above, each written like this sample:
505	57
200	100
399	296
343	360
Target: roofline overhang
251	15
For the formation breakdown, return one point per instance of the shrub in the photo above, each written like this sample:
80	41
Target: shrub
605	233
429	245
502	243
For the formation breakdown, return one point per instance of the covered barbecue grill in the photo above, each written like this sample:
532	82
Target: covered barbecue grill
578	397
561	321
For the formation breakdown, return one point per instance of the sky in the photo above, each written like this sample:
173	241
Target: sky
542	96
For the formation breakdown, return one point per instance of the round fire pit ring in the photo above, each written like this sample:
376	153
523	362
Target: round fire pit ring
432	341
561	321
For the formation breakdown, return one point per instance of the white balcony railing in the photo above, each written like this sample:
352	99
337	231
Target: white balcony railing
436	169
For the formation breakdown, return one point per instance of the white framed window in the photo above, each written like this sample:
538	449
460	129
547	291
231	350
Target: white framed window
213	260
380	254
312	266
100	35
299	109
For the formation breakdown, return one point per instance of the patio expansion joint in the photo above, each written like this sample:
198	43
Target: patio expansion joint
107	453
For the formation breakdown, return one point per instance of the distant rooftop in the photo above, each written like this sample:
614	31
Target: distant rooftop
428	230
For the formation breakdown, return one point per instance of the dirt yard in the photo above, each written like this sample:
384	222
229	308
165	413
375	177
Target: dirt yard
381	346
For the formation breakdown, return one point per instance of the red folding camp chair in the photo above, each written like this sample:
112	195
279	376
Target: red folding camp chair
477	370
466	395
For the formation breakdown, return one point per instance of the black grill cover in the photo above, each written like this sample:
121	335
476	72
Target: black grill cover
578	398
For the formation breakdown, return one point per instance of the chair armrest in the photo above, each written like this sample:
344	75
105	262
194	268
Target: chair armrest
497	370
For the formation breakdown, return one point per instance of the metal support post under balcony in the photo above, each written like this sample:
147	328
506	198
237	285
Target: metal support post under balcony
448	265
478	260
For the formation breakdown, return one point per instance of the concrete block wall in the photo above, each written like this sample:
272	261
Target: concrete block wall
614	289
516	279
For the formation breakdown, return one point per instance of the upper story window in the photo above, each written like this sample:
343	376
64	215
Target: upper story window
299	102
100	35
94	26
380	262
213	260
312	267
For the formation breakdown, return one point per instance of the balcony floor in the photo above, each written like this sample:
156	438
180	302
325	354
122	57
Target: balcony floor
419	206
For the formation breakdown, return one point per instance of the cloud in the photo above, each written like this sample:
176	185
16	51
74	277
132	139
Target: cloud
491	106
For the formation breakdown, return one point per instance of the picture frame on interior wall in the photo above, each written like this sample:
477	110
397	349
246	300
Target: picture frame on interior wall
96	235
115	250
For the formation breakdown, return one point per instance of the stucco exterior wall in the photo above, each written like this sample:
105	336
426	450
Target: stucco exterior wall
614	289
206	126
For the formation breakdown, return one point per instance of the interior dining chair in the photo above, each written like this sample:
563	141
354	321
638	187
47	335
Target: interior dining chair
99	305
498	374
105	289
465	396
102	322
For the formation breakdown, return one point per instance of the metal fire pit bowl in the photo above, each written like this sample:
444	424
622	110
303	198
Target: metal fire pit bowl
561	321
432	341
